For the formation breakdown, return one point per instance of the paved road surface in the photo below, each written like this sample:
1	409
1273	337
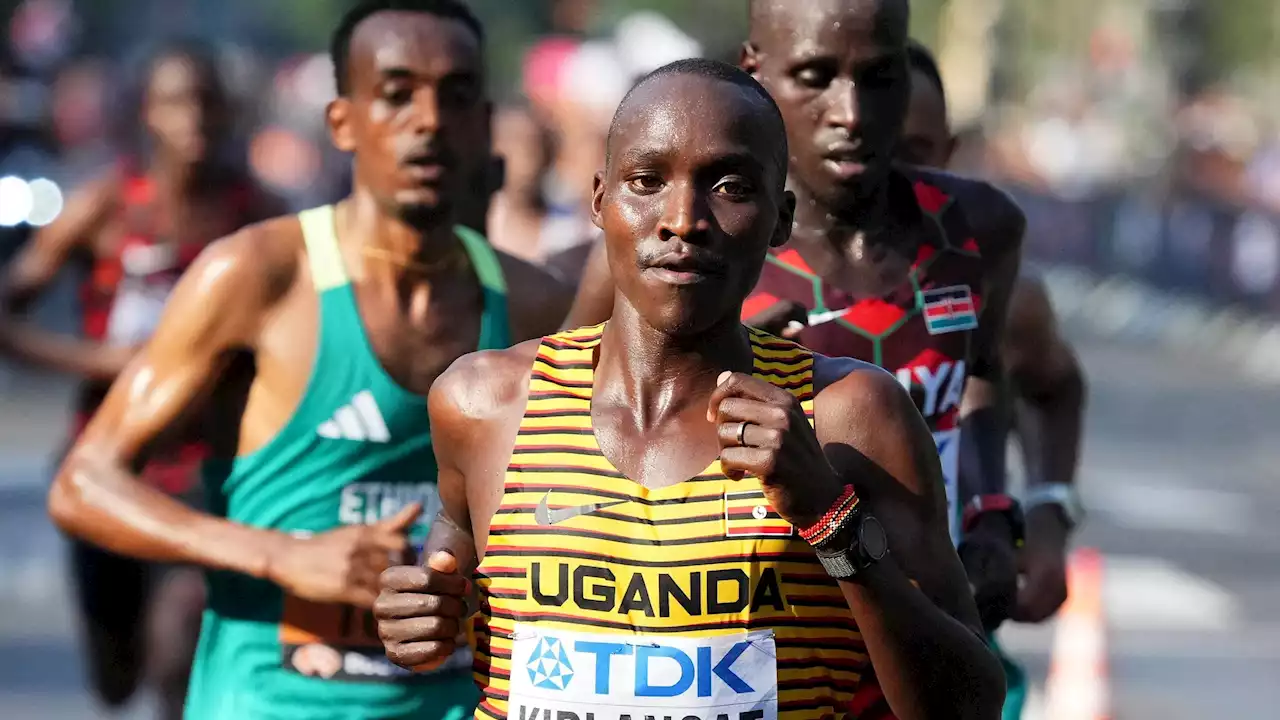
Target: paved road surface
1182	480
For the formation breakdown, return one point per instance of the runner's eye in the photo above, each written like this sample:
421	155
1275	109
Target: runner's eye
812	76
733	187
645	184
397	93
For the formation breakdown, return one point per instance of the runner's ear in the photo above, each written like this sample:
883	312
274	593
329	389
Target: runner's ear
749	59
786	218
337	116
597	199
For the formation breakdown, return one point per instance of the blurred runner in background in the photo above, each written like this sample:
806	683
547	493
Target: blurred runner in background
134	231
517	215
310	342
1048	388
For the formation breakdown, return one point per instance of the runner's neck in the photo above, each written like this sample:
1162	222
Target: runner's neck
828	238
660	375
398	248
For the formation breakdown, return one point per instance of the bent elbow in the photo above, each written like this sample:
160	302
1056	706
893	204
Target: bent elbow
994	691
66	506
989	688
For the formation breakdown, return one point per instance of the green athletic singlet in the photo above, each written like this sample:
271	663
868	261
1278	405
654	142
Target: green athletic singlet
357	449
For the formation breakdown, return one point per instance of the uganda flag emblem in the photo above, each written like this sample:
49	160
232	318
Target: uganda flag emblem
748	514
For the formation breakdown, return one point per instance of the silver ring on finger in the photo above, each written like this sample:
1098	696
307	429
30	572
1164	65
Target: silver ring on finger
742	433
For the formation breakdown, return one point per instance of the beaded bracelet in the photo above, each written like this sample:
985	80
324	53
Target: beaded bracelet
834	520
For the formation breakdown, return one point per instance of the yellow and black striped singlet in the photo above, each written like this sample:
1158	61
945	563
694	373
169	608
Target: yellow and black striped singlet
603	599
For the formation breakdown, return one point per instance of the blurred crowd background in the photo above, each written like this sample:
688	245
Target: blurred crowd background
1142	136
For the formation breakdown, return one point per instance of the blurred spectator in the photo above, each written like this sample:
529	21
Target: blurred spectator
78	119
518	211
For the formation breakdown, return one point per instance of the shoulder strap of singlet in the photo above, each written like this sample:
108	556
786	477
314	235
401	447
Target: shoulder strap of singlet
484	259
321	237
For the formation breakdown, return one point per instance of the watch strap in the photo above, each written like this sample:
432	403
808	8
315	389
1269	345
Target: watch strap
1006	505
1063	495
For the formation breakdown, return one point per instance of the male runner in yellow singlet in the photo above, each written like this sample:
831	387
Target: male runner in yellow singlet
637	493
315	339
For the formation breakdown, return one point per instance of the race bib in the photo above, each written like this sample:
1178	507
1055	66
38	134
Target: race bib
563	675
340	642
948	442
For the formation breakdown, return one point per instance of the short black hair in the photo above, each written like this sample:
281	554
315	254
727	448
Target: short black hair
920	59
712	70
340	45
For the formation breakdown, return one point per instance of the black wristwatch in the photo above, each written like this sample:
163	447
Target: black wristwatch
868	546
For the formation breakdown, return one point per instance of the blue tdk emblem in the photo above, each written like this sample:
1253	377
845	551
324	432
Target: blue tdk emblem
549	666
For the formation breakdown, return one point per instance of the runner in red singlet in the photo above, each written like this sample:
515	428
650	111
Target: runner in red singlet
908	268
1046	380
134	231
1046	383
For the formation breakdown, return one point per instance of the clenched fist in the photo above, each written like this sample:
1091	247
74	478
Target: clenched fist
763	432
420	612
342	566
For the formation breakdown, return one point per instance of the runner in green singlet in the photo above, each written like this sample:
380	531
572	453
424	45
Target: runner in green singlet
307	345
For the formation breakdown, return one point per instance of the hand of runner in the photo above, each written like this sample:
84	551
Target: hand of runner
785	319
777	444
342	566
990	561
420	611
1043	563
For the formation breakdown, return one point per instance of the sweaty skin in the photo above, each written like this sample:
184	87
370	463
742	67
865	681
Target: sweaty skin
838	71
133	624
416	98
689	208
1045	377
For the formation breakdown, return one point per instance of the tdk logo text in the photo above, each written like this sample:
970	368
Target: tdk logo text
658	671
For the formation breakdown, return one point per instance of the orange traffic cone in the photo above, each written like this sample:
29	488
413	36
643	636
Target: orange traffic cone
1077	687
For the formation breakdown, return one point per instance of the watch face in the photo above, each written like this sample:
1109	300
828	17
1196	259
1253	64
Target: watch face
873	539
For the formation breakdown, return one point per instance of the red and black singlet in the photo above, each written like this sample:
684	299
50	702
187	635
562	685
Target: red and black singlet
124	294
922	331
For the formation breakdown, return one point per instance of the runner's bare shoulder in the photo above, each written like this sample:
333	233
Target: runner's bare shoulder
484	386
863	407
993	215
240	278
475	408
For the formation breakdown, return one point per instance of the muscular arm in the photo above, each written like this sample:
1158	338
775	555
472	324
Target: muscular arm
1048	382
983	420
476	407
36	267
924	643
594	302
214	311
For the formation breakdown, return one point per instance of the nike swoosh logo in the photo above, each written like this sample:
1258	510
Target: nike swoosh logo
820	318
549	516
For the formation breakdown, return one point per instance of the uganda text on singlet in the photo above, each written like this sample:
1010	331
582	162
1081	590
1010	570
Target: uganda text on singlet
923	331
357	450
602	599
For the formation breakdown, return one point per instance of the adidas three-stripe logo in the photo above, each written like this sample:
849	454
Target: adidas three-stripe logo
361	421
